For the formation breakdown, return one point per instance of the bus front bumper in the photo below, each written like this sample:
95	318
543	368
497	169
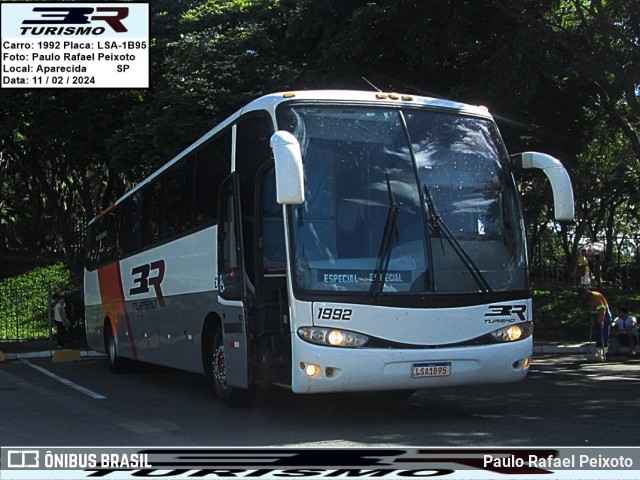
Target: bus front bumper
319	369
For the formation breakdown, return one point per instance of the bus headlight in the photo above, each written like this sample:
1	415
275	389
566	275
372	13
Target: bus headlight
332	337
512	333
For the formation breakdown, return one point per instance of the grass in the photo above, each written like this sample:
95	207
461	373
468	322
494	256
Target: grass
24	301
565	310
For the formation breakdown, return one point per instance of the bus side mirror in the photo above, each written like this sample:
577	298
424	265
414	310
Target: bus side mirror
289	170
558	177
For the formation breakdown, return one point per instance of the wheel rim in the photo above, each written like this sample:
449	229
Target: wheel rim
219	367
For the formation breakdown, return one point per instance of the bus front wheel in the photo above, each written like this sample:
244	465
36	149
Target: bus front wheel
228	395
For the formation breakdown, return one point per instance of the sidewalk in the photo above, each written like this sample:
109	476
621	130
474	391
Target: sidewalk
558	347
40	349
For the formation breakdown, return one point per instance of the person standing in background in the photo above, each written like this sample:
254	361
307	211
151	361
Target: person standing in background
60	317
600	318
583	272
626	325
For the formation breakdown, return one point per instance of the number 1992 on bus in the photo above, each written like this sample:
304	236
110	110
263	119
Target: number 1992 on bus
334	313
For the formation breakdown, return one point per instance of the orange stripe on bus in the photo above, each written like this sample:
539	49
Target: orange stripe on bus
113	301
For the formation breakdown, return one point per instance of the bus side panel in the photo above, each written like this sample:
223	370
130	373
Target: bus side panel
156	301
235	344
106	305
180	330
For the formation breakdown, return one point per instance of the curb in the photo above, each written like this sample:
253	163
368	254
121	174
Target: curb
566	349
55	355
66	355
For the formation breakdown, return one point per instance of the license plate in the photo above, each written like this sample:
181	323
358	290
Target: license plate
431	369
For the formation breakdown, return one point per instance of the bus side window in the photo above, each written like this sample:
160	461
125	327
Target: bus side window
102	238
272	284
253	133
213	165
153	206
178	215
131	224
252	151
229	268
273	242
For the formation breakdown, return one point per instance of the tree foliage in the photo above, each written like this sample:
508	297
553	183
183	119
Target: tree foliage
560	76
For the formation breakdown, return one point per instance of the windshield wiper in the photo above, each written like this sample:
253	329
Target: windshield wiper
386	244
438	225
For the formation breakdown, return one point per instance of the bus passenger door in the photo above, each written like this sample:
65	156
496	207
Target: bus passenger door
234	287
271	312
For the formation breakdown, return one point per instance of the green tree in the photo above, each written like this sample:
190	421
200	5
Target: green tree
560	76
593	46
59	177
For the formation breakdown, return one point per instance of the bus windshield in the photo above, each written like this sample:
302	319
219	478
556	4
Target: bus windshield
403	201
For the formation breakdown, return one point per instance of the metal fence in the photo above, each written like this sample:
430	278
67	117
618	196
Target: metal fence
22	317
27	313
625	277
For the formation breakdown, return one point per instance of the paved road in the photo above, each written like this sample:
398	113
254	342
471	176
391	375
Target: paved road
564	402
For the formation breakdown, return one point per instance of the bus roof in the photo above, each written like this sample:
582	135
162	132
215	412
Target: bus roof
271	101
359	96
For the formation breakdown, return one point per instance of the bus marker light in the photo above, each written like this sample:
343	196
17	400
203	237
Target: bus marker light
310	369
522	364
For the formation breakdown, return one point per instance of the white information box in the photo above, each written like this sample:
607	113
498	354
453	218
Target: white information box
74	45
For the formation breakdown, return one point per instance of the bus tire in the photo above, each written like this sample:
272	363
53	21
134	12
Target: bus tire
217	376
117	364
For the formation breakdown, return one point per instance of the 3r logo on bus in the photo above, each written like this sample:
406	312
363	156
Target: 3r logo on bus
64	17
507	311
143	278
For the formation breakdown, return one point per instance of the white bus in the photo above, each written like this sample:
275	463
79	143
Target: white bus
327	241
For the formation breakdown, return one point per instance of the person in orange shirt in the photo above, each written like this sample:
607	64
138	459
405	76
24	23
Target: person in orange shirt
600	317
